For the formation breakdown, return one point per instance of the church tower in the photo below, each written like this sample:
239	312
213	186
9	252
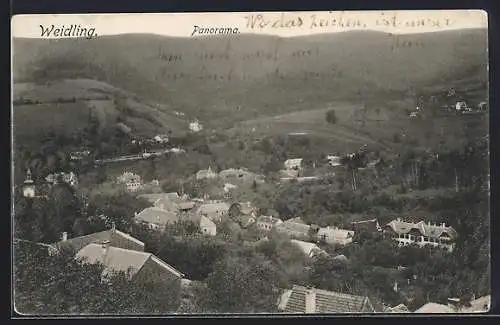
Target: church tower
29	186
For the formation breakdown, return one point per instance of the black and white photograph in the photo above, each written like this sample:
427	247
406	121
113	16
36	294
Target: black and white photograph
267	163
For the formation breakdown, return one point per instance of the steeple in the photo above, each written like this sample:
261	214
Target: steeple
28	179
28	186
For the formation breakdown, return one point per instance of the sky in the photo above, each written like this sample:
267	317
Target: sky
182	24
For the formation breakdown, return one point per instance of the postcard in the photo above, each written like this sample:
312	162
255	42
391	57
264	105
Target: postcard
268	163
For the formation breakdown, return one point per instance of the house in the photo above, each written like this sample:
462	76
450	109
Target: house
243	174
399	309
421	234
206	174
131	181
139	266
207	226
309	249
295	163
68	178
228	187
294	228
334	160
113	236
79	155
304	300
288	174
248	209
213	210
161	138
370	225
434	308
266	223
156	218
335	235
461	106
195	126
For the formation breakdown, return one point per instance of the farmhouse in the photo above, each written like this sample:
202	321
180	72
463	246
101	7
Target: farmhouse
421	234
311	300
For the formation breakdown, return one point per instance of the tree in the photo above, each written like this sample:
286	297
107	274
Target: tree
331	116
242	285
62	285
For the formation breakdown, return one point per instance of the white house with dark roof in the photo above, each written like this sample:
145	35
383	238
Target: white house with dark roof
302	300
422	234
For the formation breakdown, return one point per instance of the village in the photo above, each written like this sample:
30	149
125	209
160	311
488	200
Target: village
119	251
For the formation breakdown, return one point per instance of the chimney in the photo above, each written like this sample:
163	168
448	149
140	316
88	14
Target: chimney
310	301
113	226
64	236
443	225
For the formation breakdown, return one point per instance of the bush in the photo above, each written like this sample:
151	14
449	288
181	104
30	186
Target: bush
331	117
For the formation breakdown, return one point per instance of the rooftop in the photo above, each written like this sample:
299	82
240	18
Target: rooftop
294	301
426	229
117	259
433	308
77	243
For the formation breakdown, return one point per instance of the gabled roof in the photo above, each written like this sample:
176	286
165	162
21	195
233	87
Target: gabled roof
306	247
157	216
433	308
294	301
77	243
295	220
213	208
335	232
425	229
117	259
290	226
399	309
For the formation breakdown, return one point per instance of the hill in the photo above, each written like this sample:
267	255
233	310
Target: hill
225	80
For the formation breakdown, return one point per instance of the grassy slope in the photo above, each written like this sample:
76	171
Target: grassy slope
366	66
